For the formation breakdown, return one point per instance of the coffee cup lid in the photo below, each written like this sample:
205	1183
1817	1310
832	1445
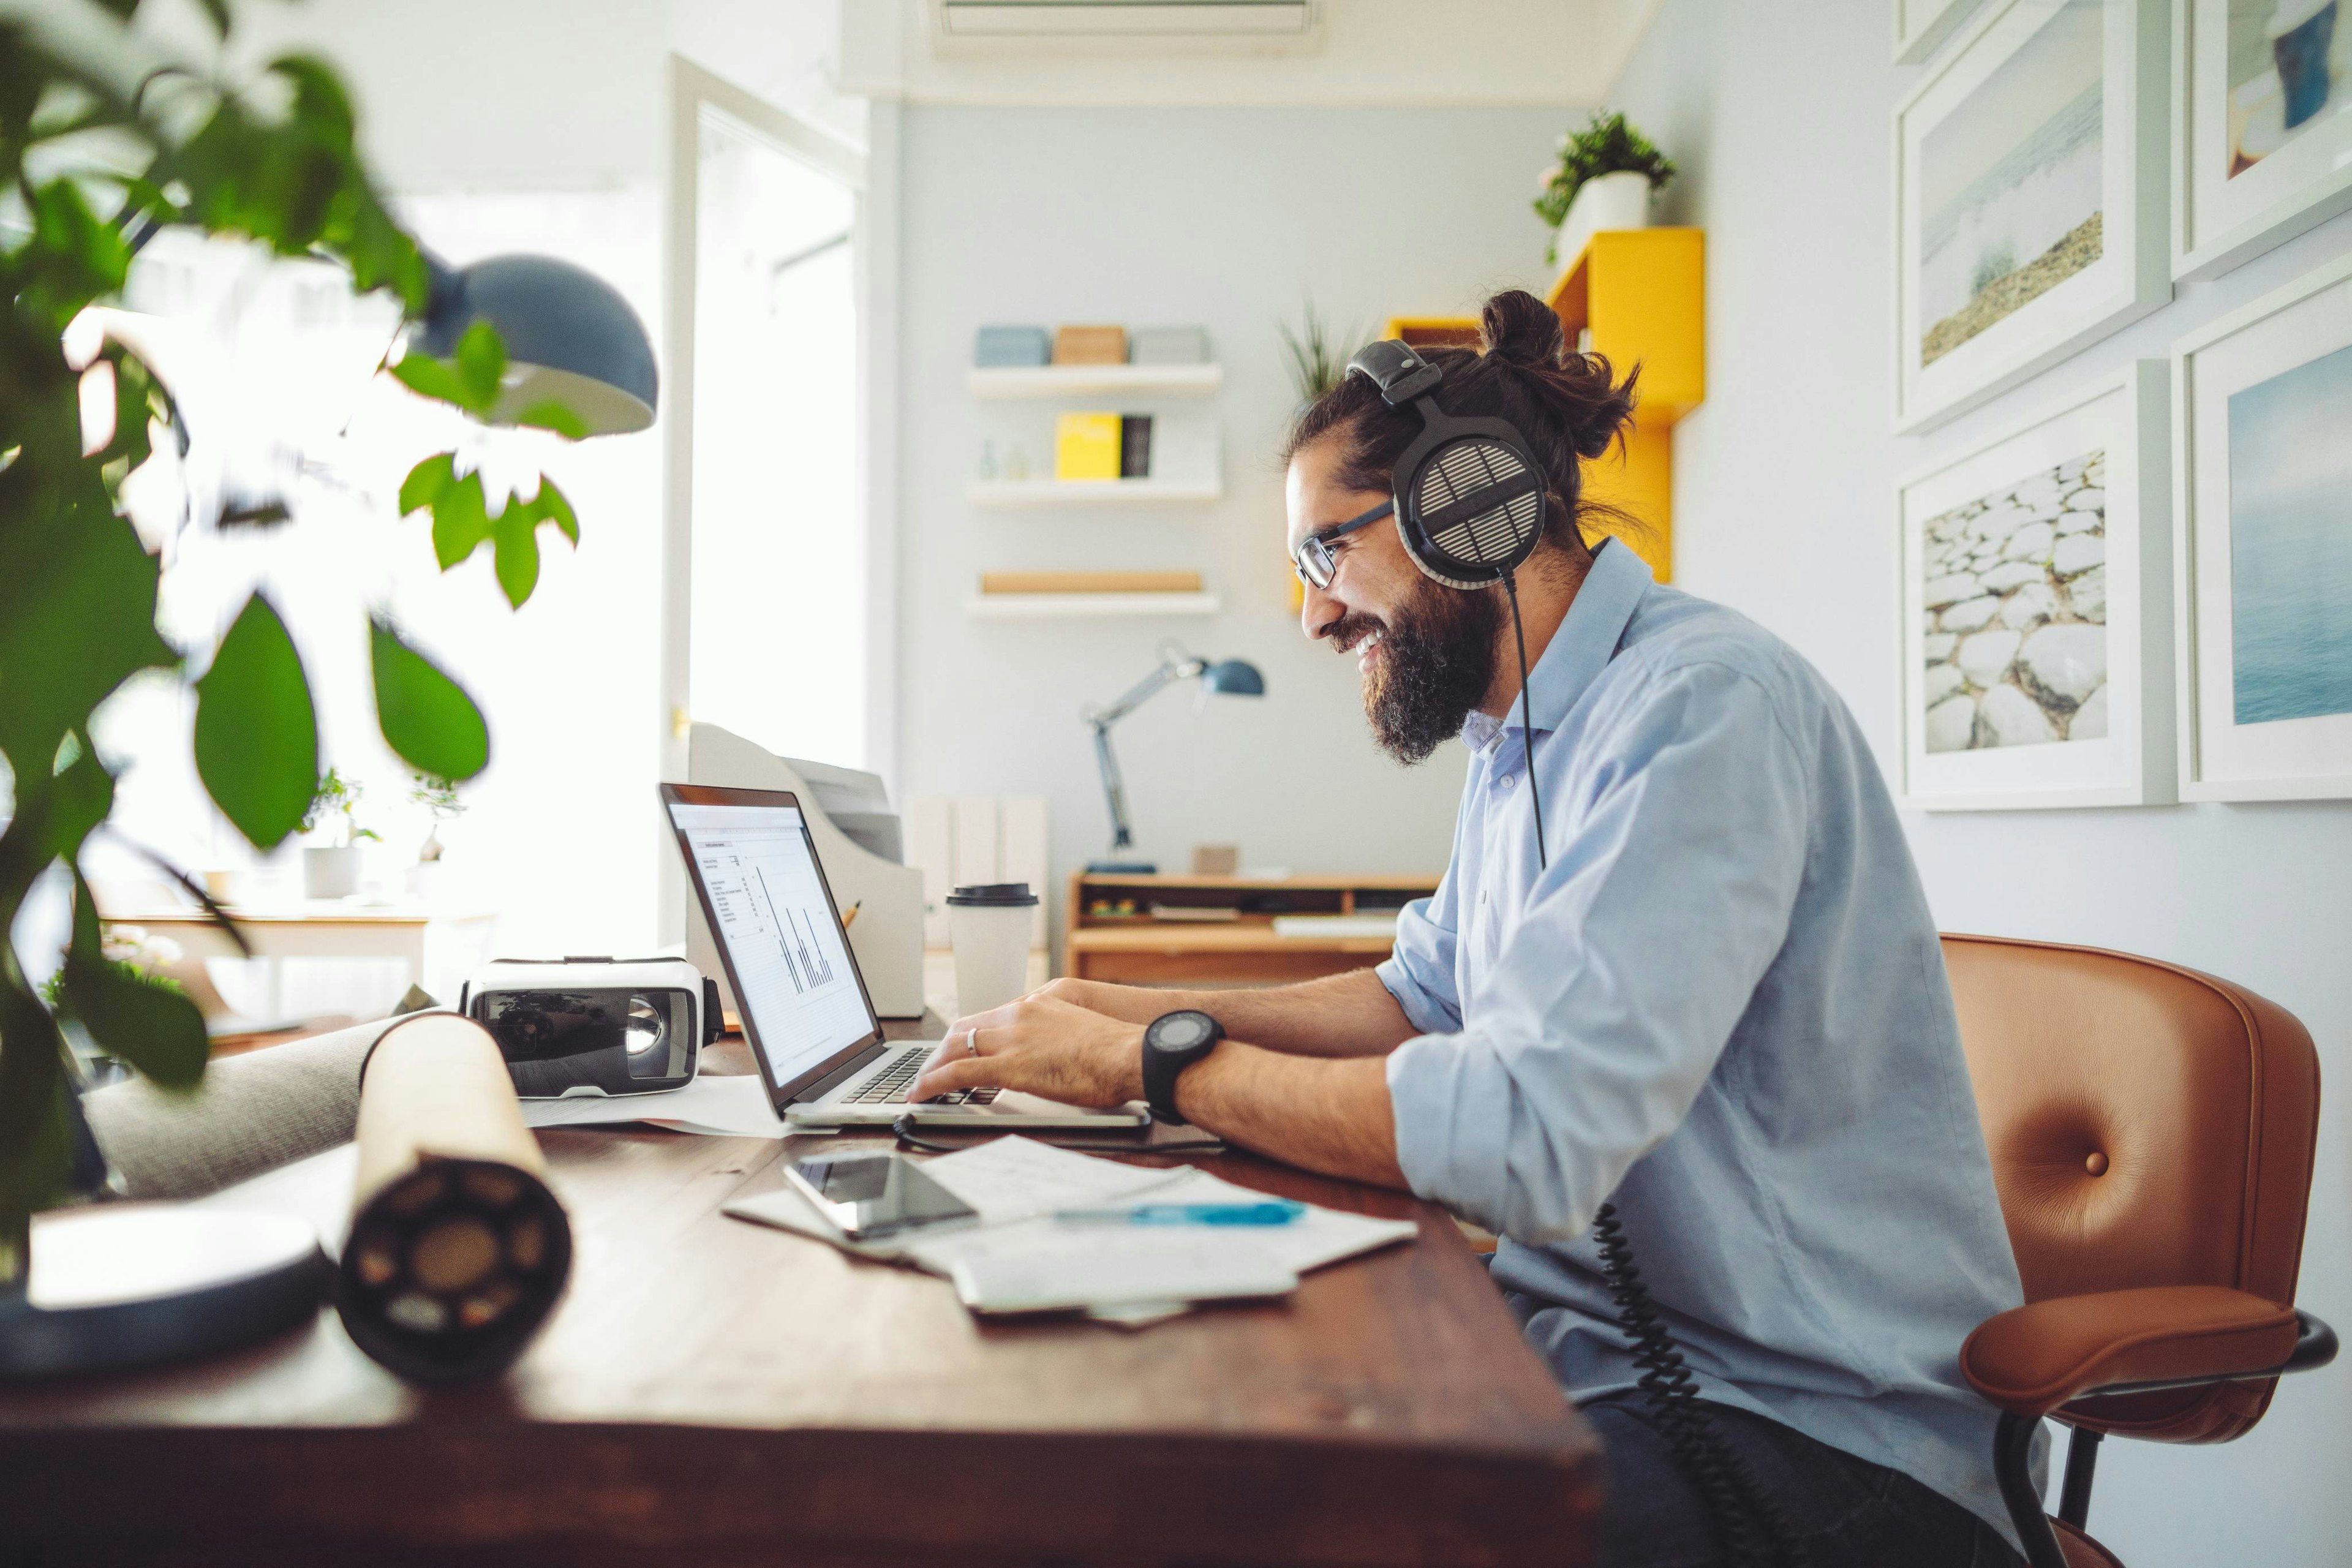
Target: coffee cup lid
995	895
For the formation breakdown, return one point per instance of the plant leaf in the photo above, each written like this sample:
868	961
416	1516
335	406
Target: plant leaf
549	415
425	717
460	522
77	609
430	377
428	481
257	732
481	364
516	532
154	1027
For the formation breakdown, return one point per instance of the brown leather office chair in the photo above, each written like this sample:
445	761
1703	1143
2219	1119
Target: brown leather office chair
2151	1130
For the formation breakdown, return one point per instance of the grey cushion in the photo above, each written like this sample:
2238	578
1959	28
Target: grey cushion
252	1113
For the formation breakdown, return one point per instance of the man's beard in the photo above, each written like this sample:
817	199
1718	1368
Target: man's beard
1435	663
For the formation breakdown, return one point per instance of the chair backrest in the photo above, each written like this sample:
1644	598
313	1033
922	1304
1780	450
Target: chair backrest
2149	1125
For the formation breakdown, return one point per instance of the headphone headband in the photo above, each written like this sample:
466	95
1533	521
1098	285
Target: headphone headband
1402	375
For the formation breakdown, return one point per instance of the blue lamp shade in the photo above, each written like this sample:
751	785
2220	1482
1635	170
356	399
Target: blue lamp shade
570	339
1233	677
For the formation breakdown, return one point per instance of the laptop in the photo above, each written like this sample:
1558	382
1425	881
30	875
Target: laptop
811	1025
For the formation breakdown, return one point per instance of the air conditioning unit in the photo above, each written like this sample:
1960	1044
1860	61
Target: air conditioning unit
1265	19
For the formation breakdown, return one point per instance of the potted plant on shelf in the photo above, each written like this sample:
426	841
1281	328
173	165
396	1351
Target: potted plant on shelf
332	871
1604	180
439	796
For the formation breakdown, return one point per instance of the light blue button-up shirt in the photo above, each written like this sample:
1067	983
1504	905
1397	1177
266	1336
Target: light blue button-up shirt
1723	1005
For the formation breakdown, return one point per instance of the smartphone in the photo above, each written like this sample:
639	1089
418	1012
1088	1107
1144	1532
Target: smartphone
874	1196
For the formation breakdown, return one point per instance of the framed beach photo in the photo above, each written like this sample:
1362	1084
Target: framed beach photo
2262	122
2264	445
1921	25
2029	198
2036	641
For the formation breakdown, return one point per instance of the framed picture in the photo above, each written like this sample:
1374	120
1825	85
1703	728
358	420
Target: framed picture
2262	100
2263	442
2029	198
1921	25
2036	640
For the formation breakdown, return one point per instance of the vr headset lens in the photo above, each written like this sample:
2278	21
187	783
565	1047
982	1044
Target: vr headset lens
622	1042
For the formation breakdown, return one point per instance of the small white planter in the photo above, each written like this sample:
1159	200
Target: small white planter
330	873
1620	200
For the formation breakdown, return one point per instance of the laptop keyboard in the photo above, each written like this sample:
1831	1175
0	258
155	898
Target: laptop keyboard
889	1086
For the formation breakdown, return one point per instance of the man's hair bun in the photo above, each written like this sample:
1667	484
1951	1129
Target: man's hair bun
1519	329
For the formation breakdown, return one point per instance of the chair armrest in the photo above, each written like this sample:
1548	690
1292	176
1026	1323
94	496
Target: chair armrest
2032	1359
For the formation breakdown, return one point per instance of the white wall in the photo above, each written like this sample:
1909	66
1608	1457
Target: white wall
1779	117
1224	218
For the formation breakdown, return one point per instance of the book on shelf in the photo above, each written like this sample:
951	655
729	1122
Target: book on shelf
1134	446
1091	345
1011	582
1086	446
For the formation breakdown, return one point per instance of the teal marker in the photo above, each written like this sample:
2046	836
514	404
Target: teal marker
1274	1211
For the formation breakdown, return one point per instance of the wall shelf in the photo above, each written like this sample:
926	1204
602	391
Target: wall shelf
1054	606
1008	494
996	384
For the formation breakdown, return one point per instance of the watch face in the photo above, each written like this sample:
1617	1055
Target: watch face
1182	1031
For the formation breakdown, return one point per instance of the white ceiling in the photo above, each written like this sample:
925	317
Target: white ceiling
1563	52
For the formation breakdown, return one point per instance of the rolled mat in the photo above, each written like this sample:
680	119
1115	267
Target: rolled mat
459	1248
252	1113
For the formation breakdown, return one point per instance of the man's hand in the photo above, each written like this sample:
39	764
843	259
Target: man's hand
1040	1045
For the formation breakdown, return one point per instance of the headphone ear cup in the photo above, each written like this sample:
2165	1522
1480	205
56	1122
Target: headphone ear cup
1470	508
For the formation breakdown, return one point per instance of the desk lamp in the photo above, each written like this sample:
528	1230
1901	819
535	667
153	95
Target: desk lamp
1226	678
570	338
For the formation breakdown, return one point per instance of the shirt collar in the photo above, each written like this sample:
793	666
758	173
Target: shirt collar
1582	647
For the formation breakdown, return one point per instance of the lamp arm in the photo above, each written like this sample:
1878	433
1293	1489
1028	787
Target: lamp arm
1114	788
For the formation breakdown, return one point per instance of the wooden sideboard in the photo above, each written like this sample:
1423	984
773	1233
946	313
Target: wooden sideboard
1240	946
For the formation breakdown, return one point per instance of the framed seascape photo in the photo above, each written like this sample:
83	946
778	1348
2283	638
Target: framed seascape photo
2262	106
2263	443
1921	25
2029	198
2036	640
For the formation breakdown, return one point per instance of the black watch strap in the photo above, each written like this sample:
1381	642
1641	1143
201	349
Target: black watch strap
1173	1042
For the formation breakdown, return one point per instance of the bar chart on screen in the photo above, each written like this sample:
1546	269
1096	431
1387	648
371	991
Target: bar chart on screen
769	911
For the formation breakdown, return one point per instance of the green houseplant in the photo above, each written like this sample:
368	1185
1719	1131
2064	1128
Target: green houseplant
1605	146
100	145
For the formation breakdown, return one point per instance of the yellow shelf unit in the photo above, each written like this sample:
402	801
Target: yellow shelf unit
1641	295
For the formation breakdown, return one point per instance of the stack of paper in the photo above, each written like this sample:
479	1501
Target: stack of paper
1020	1259
717	1105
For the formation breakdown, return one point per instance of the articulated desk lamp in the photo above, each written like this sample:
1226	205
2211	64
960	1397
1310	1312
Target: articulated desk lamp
1226	678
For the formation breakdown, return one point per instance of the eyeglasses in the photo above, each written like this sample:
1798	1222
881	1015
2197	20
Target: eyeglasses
1313	559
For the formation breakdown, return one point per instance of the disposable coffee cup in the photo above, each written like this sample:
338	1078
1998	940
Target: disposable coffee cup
989	924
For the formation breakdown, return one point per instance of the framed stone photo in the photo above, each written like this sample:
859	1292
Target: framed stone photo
2262	103
2036	642
2030	198
2263	443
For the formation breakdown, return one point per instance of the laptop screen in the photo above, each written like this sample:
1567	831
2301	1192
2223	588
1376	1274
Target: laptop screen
795	980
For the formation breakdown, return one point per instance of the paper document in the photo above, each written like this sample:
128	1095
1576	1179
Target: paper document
1336	925
717	1105
1021	1259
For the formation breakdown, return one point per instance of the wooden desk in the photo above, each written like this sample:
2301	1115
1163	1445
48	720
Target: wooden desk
714	1392
1140	949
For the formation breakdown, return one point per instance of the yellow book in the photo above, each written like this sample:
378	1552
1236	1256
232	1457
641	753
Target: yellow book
1085	447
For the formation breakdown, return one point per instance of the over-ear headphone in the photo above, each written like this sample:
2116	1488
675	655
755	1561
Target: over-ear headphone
1469	501
1469	494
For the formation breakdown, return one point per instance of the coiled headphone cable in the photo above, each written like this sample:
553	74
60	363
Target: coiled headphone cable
1749	1520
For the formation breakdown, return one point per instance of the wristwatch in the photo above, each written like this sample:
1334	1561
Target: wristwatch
1175	1042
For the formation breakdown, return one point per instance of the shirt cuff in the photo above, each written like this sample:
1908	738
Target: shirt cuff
1421	1009
1423	1077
